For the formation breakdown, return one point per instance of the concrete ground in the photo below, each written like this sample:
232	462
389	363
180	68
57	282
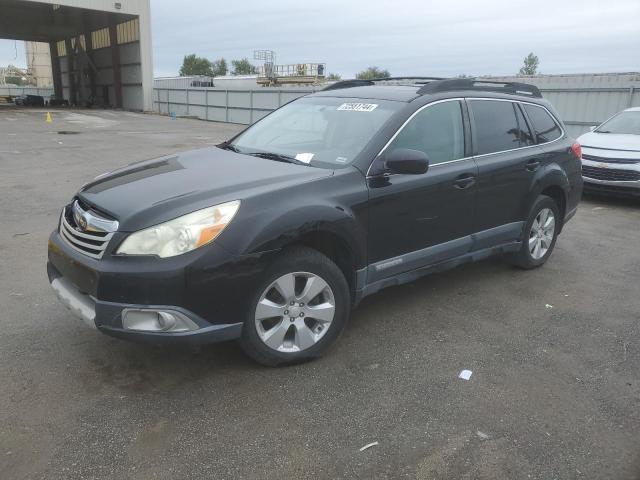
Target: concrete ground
555	355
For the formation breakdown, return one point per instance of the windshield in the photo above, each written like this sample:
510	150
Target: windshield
624	122
319	131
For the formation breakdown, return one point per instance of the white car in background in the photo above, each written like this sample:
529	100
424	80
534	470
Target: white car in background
611	155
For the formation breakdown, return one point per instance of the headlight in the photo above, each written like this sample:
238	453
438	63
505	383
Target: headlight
182	234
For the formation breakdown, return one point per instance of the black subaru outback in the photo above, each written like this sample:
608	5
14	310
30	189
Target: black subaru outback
274	236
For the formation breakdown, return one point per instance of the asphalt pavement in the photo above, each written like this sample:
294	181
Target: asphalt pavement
554	353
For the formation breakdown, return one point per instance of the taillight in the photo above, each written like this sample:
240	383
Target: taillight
577	150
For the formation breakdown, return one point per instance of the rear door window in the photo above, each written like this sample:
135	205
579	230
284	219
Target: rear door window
496	126
546	128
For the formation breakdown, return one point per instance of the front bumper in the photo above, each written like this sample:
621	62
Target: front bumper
610	176
209	286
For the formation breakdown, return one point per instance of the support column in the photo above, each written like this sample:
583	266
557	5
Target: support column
146	59
92	66
55	69
71	69
115	60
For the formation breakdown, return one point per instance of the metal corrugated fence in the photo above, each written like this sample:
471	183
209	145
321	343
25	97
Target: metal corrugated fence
217	105
581	100
587	99
15	91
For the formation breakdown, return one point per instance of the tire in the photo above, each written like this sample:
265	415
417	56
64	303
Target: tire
293	334
534	237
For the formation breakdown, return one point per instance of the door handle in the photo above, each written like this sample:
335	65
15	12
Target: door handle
533	165
464	181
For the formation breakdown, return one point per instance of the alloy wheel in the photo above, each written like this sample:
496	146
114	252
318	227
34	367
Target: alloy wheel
295	312
541	233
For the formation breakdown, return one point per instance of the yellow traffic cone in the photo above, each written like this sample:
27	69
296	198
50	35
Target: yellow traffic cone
49	119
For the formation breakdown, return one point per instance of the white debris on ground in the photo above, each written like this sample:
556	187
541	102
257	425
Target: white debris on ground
465	374
369	445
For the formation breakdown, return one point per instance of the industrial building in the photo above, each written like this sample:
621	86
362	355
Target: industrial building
39	63
100	50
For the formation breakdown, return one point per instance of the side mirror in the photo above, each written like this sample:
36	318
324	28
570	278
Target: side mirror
407	161
593	127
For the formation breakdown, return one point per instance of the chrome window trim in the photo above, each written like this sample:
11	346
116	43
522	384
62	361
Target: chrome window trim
562	131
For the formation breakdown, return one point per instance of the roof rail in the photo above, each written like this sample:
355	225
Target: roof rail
348	84
514	88
413	79
363	83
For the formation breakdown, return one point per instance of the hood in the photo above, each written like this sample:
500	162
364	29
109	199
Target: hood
610	141
150	192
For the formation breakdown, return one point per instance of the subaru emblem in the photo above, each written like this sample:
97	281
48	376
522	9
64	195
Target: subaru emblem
82	223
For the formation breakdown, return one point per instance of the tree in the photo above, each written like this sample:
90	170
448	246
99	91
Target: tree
20	81
530	66
373	72
220	67
243	67
193	65
333	77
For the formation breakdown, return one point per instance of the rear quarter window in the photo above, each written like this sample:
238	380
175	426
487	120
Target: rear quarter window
545	127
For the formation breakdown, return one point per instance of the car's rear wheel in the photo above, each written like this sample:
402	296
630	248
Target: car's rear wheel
299	309
540	234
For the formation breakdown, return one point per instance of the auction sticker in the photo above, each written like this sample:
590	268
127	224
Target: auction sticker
358	107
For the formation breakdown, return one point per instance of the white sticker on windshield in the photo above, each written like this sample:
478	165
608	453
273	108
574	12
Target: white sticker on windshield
358	107
304	157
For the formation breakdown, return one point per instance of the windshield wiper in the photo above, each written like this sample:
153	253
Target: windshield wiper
603	131
228	146
277	157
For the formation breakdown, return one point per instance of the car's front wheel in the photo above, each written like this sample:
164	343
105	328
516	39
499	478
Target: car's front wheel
301	306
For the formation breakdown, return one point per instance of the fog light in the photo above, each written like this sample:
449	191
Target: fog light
168	321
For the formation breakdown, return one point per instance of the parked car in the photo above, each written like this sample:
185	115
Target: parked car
611	155
55	101
274	236
30	100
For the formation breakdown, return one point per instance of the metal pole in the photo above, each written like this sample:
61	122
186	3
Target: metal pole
250	107
226	106
186	90
206	103
631	90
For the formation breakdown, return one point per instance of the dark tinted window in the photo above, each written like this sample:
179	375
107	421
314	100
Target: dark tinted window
496	126
526	137
544	125
437	131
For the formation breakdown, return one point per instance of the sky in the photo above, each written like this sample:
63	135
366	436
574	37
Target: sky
407	37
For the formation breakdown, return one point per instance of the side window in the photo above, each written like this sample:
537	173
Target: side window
496	126
437	131
545	126
526	138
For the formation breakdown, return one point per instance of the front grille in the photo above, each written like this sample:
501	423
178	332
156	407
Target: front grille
610	174
594	158
90	243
